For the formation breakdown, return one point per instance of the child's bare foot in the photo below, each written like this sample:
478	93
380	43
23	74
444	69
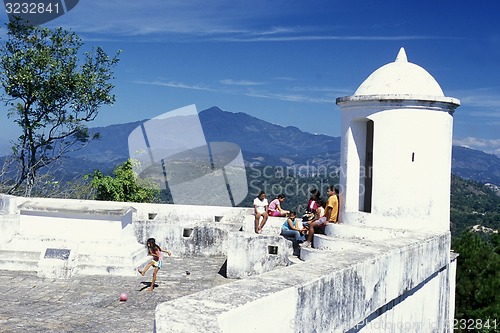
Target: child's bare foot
140	272
150	289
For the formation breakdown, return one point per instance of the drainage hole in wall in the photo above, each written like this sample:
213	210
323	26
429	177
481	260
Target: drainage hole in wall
271	249
187	232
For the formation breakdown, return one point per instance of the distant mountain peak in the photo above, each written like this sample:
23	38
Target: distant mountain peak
213	109
271	144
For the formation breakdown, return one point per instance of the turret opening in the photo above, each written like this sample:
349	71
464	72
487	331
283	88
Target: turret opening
366	173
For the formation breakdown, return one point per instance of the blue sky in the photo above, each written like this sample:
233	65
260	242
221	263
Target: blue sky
287	61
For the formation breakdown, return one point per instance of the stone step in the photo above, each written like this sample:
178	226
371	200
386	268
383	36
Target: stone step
363	232
19	260
19	255
17	265
20	243
295	260
100	257
325	245
309	253
336	244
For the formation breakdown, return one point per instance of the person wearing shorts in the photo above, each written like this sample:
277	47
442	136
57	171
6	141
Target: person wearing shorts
330	215
275	207
156	262
260	206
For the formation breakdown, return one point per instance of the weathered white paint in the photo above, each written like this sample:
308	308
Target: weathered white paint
272	226
107	237
386	265
335	293
390	266
252	254
9	217
411	149
452	277
257	317
75	222
99	237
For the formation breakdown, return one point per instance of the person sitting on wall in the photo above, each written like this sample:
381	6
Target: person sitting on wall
292	229
275	207
312	205
320	213
330	215
260	207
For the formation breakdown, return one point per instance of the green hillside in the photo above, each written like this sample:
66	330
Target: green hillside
473	204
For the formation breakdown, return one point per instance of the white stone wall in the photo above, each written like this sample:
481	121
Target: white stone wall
87	219
336	293
411	163
252	254
9	217
422	309
106	237
75	226
186	239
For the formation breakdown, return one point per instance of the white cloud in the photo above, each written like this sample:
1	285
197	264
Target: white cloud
218	20
322	89
172	84
491	146
307	37
289	97
139	18
242	88
488	97
284	78
232	82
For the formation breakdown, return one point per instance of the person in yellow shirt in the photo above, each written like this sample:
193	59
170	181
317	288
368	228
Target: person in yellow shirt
332	205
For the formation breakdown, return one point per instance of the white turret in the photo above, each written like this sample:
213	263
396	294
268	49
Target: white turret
396	149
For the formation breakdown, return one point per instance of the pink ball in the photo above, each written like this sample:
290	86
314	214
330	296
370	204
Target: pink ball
123	297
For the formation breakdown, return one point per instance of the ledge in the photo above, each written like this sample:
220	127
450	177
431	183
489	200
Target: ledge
333	293
398	98
32	207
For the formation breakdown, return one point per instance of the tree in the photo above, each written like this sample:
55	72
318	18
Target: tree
124	186
52	95
478	281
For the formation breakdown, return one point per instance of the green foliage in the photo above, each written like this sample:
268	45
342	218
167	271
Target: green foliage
51	93
124	186
472	203
478	280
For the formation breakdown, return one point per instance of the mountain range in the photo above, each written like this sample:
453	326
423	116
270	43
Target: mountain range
261	142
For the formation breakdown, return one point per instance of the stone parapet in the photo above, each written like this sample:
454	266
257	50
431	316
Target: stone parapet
252	254
106	238
339	292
